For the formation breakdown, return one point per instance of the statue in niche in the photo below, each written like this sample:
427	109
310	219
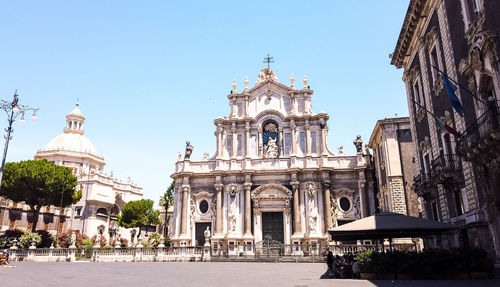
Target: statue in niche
232	214
313	218
356	206
189	150
271	149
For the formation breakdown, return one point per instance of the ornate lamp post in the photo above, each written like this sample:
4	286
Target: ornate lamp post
13	110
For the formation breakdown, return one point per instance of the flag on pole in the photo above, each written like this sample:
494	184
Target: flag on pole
442	125
450	90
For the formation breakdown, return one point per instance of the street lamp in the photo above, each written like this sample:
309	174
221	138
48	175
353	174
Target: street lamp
13	110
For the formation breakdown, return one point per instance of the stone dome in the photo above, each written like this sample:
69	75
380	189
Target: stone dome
73	139
72	142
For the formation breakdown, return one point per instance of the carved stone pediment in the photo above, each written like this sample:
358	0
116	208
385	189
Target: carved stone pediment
271	191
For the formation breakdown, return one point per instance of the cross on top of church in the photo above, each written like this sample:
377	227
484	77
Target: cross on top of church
268	60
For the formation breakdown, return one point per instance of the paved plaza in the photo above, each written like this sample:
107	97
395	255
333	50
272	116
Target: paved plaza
191	274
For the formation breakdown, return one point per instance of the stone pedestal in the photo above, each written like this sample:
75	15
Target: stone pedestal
206	252
71	254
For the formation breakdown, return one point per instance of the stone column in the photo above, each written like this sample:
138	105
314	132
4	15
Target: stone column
328	213
308	138
218	219
223	144
235	141
323	141
294	137
296	208
248	209
247	138
219	141
282	149
362	199
260	142
185	209
246	106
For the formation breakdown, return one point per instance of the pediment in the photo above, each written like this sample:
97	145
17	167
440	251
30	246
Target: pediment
271	191
269	86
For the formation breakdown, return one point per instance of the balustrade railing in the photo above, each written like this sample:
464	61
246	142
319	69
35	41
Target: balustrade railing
487	122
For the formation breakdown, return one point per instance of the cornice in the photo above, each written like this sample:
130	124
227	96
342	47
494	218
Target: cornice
413	15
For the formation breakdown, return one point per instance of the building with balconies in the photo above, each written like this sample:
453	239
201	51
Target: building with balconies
458	175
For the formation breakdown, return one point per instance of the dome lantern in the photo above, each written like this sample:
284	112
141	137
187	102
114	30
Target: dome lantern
74	121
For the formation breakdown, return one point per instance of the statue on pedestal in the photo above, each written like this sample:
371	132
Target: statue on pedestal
73	239
189	150
206	233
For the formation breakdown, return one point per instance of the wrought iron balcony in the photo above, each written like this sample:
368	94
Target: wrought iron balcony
481	140
423	184
446	168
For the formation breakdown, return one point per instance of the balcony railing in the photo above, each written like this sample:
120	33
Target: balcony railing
446	167
423	184
481	131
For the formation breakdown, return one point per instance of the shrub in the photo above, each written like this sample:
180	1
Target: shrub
47	239
64	239
26	239
154	239
427	262
123	242
365	261
16	233
6	242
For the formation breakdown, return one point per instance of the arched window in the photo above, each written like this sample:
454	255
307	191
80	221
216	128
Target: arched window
270	140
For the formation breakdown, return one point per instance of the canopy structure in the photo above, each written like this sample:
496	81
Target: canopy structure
388	225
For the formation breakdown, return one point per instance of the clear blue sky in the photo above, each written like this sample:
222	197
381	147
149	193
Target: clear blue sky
152	74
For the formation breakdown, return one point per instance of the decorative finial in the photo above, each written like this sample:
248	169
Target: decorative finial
305	82
77	102
292	80
234	86
246	83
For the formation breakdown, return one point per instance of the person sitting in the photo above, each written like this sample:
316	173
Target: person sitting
3	259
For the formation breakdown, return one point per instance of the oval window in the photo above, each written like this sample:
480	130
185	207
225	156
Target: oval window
345	204
203	206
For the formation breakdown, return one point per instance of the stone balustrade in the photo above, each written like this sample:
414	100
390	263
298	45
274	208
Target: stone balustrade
338	162
128	254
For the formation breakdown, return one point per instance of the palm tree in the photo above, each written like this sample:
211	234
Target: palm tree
166	200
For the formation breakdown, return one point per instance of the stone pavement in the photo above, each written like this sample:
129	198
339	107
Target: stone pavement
198	274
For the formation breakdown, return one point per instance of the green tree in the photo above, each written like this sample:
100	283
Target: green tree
39	183
166	200
138	213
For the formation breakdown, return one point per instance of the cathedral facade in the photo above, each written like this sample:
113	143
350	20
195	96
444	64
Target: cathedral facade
272	176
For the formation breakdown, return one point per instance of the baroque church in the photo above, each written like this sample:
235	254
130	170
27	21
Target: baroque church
103	195
272	176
